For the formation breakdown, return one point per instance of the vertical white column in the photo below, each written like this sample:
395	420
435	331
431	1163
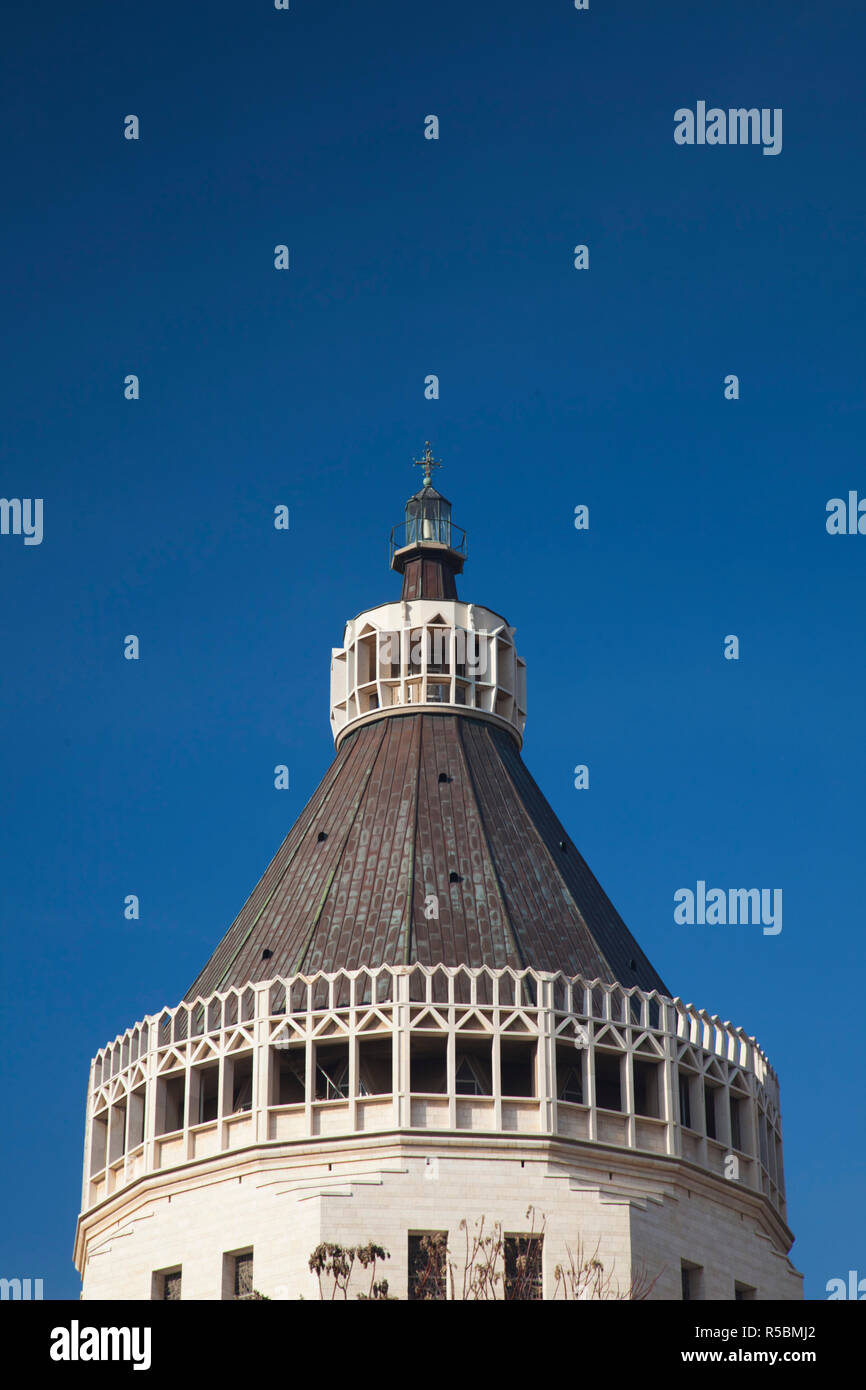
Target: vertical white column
545	1068
627	1083
309	1069
699	1121
152	1026
451	1054
189	1115
496	1067
261	1060
671	1080
354	1046
592	1118
224	1086
401	1057
88	1139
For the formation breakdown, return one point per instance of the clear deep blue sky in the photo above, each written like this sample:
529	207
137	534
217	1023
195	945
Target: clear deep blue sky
558	387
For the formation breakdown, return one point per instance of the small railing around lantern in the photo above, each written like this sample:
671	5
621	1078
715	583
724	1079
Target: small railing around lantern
427	531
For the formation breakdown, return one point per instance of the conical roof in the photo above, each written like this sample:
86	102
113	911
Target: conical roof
429	493
418	806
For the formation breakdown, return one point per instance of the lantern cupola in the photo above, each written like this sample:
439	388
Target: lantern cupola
427	549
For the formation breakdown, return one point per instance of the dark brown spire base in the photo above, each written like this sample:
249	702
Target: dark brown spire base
429	571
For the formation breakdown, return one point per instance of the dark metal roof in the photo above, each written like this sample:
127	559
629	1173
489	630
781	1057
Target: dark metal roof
429	493
426	576
418	804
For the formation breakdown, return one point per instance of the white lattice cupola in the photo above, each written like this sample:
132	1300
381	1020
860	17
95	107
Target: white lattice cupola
428	649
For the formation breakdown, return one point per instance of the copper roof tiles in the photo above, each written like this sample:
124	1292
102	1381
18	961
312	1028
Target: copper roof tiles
385	831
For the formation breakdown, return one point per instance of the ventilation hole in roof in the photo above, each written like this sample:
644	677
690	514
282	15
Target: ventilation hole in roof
632	965
267	953
454	878
323	835
562	844
443	777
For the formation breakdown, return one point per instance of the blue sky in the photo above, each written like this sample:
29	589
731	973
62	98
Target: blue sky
306	387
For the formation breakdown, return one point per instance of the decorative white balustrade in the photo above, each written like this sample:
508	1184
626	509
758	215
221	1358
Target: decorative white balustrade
492	1052
430	653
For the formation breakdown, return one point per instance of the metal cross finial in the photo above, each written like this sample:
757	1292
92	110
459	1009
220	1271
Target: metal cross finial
427	462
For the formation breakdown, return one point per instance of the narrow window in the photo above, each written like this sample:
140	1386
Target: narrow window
332	1073
460	653
745	1293
467	1082
771	1140
523	1267
98	1142
438	662
428	1066
646	1088
165	1285
710	1110
243	1284
692	1277
685	1101
242	1084
289	1081
237	1280
427	1266
517	1063
170	1098
208	1094
736	1123
569	1075
473	1072
375	1067
136	1117
117	1132
608	1094
762	1140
